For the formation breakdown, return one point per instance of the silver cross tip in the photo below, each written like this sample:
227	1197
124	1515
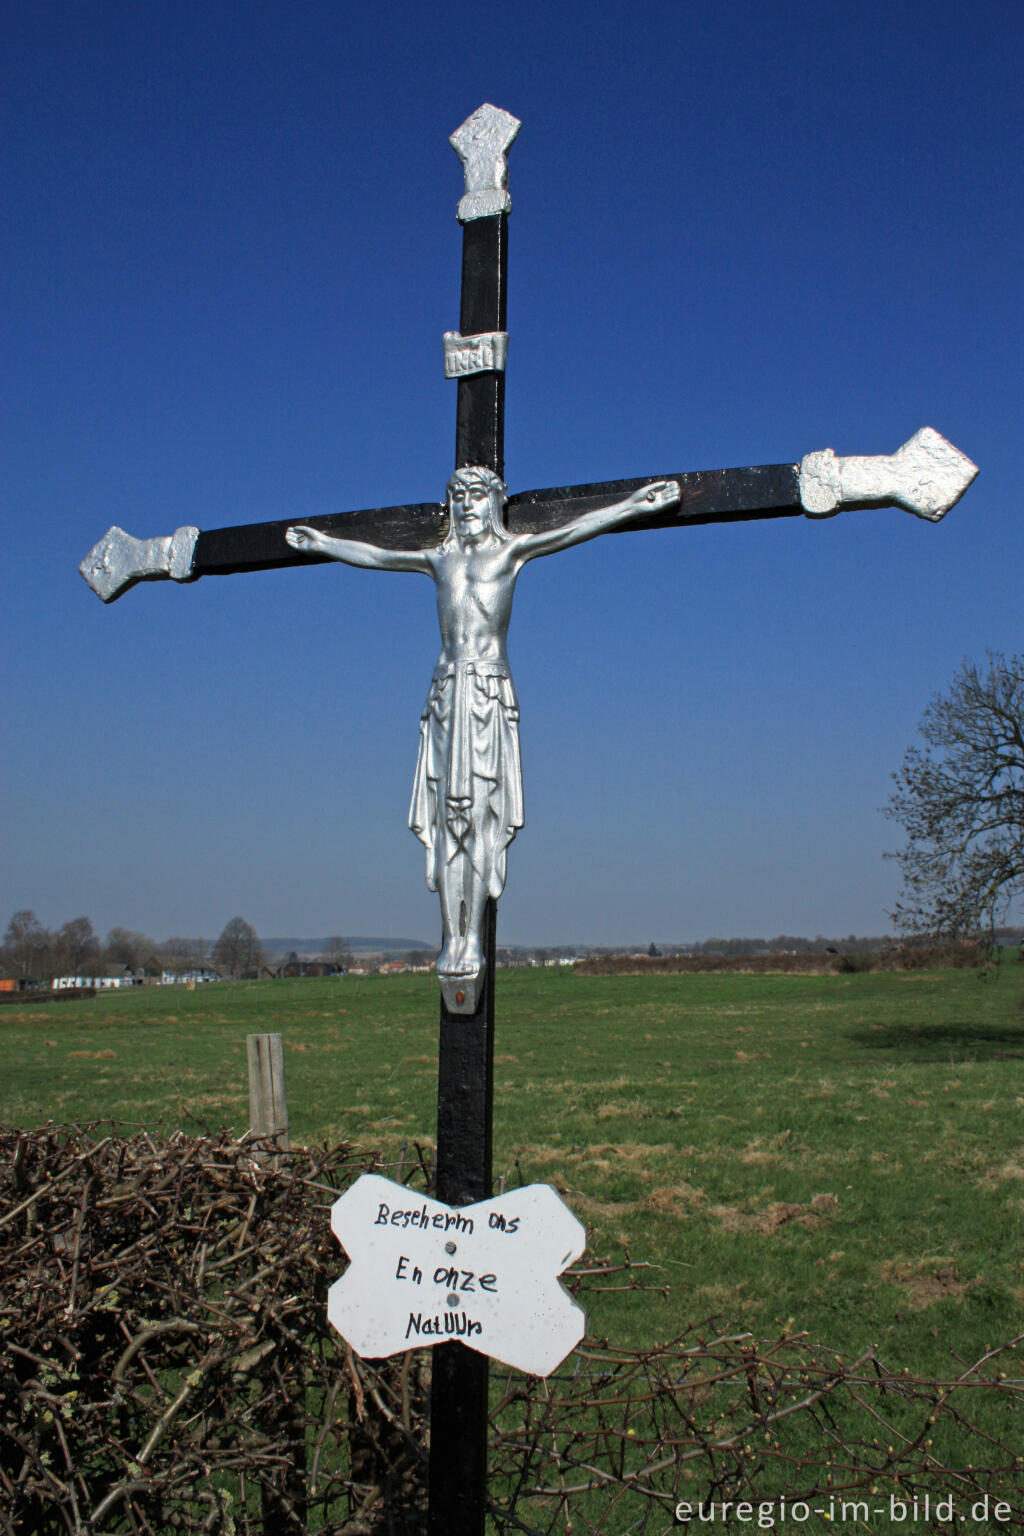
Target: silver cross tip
482	144
926	476
118	561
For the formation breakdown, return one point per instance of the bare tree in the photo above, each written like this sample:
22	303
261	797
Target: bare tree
128	950
238	949
336	950
425	958
182	954
960	800
28	947
77	946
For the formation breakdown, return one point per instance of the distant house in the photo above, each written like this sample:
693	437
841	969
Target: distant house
294	965
98	983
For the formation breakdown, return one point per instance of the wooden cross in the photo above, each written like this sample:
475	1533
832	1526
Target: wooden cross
468	794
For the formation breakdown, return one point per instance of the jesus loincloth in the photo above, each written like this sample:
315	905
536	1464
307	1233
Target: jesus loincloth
468	793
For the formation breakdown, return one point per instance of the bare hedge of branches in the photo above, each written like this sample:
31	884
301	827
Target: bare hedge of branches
167	1366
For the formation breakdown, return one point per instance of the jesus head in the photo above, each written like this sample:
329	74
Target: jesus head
476	502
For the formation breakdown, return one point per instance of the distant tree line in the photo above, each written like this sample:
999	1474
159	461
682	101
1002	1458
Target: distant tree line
33	953
791	944
738	948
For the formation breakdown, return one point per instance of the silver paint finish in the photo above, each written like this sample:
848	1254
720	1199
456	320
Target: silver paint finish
926	476
482	144
468	795
118	561
483	353
821	484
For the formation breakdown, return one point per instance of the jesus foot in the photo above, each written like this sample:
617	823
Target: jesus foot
462	979
465	959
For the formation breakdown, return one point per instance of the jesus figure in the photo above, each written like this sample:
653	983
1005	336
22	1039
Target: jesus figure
467	800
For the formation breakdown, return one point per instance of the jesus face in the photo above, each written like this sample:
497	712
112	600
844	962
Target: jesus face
472	506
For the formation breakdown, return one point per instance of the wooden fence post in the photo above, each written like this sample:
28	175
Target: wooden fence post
283	1495
268	1098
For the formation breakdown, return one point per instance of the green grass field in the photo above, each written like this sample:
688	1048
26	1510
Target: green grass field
846	1152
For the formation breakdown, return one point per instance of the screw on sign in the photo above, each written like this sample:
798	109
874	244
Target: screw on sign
467	803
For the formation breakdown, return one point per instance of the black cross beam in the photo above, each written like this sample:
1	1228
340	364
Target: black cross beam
708	496
926	476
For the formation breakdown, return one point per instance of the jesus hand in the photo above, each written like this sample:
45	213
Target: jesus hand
655	497
306	539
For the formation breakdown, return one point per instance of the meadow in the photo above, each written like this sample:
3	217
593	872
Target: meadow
841	1154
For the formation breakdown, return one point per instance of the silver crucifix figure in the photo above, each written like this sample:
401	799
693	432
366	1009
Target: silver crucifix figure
467	800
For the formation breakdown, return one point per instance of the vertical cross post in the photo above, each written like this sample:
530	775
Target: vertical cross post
465	1078
457	1493
480	413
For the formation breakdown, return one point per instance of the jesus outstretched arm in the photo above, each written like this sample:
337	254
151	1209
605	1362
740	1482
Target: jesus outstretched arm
310	541
654	497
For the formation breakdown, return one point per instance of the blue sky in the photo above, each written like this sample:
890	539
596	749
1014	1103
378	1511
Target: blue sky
740	232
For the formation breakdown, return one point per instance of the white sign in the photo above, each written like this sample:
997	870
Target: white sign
487	1275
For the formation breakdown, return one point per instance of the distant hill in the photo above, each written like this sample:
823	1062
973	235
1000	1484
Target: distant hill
358	946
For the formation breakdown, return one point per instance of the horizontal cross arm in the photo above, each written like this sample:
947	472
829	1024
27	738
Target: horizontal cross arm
262	546
926	476
118	561
706	496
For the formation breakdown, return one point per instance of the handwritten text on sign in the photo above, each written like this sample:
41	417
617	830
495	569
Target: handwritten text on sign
485	1274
